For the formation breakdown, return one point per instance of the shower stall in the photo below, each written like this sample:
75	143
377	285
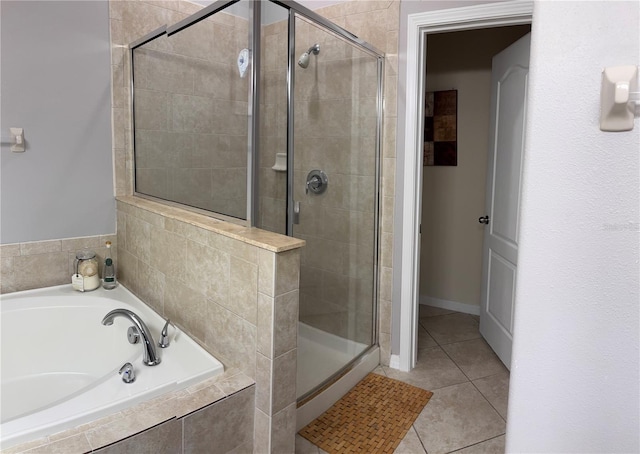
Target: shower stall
268	114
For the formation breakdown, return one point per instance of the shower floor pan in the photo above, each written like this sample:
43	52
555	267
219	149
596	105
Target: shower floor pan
320	355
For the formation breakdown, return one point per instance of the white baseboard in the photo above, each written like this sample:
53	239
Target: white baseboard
450	305
394	362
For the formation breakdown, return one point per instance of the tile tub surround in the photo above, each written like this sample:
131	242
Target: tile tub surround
376	22
38	264
221	406
234	289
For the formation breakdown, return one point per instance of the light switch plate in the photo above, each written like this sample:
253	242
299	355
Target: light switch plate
17	140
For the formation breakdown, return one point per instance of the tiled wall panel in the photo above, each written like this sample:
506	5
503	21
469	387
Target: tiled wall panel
40	264
238	300
221	427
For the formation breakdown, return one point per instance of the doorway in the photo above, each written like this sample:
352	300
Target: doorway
453	197
406	279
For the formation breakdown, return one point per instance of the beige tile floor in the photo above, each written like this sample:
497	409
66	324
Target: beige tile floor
468	411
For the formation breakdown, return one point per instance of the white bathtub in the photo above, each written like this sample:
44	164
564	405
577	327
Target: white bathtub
60	364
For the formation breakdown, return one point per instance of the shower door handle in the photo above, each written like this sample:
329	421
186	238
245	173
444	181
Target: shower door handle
296	212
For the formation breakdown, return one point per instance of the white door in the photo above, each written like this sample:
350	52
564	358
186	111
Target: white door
500	254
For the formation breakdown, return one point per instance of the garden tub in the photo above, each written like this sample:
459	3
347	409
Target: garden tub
60	364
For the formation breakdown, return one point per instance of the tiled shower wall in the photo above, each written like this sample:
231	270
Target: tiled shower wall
191	114
38	264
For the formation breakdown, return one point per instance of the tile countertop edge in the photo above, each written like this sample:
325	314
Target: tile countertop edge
172	405
263	239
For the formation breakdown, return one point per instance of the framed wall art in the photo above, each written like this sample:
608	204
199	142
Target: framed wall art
441	128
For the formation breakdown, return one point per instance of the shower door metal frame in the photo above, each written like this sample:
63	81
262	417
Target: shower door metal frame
315	17
162	30
296	9
200	15
253	142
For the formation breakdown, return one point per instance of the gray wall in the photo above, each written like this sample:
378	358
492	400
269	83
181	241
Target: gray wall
55	72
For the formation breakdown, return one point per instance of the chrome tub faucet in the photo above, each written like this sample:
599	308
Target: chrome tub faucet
149	356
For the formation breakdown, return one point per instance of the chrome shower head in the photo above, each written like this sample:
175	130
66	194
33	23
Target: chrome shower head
304	58
315	49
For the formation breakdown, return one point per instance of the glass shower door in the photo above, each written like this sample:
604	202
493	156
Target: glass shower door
335	199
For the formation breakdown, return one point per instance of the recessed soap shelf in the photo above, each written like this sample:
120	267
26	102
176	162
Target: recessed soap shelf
281	162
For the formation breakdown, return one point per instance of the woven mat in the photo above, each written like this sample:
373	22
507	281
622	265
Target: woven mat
373	417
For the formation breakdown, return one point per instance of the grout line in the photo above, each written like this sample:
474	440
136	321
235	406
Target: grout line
454	342
474	385
455	364
469	380
430	335
475	444
420	439
485	397
382	369
182	441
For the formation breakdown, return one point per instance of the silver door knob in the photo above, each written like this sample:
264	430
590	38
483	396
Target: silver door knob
483	219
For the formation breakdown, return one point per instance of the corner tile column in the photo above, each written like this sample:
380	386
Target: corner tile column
276	351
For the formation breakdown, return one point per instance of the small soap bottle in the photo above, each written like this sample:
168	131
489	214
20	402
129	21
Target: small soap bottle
109	272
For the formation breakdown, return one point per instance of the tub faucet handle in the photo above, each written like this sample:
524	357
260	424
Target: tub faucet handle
127	372
149	356
164	341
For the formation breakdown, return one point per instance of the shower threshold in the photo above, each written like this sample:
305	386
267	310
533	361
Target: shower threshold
320	355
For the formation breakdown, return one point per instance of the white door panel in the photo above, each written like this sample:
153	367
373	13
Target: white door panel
507	163
500	254
500	296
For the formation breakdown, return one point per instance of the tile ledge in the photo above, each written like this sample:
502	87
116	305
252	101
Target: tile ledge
263	239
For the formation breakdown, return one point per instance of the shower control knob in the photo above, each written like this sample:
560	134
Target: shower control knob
317	182
314	183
